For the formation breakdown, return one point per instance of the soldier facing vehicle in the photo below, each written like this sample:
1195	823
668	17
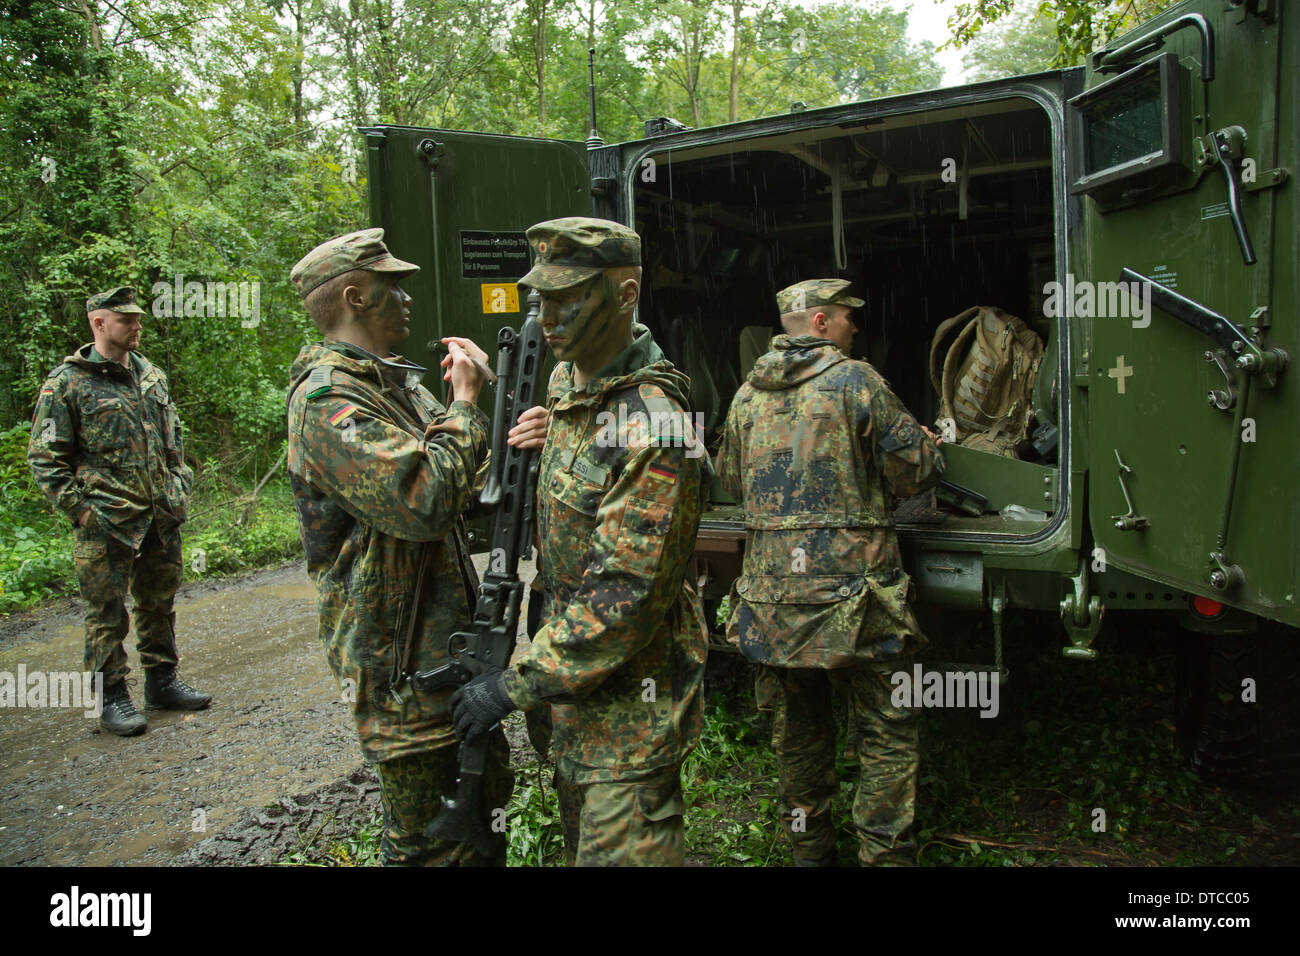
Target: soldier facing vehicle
816	447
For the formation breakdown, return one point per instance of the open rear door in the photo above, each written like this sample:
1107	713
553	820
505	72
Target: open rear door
1180	148
457	204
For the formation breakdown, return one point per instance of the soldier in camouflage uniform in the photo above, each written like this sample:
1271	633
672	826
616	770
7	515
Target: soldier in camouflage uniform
620	657
106	451
382	474
816	447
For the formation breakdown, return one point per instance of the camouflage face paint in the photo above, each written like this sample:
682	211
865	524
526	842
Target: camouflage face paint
843	328
579	321
388	312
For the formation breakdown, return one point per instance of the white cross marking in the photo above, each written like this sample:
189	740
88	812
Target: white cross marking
1120	372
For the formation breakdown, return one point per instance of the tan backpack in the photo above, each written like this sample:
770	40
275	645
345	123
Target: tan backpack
986	383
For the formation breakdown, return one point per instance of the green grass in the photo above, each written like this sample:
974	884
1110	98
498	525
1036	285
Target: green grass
536	838
729	783
1019	789
35	545
219	542
1074	739
36	561
360	848
1016	790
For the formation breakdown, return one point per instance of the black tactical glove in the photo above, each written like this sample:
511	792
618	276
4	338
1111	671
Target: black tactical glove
479	706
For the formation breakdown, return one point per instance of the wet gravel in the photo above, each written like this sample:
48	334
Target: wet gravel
274	761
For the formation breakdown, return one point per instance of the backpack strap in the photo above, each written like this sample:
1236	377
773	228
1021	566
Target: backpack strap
952	368
936	344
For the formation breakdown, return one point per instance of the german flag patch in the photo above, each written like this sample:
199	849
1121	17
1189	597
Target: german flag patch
345	412
662	473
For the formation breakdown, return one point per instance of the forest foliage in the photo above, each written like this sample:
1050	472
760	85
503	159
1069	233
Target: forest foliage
198	144
164	142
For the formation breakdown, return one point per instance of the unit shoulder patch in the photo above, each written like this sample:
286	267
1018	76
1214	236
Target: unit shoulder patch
318	381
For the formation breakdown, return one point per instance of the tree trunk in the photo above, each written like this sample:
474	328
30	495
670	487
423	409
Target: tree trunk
733	99
386	73
92	19
300	55
539	57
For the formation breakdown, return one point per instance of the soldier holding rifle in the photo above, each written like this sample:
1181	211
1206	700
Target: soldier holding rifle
620	655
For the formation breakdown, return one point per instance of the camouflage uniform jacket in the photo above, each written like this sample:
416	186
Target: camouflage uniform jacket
108	437
377	502
816	447
621	656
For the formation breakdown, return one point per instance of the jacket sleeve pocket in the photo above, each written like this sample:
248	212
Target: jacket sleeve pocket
641	537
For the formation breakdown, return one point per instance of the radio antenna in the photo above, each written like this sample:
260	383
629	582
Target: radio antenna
593	138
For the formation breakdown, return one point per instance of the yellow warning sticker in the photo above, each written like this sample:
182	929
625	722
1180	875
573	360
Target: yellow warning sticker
499	297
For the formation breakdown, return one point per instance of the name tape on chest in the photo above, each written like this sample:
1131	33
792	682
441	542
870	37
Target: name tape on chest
584	468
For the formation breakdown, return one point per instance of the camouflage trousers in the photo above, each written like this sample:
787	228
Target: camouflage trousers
537	719
105	569
412	788
886	741
636	823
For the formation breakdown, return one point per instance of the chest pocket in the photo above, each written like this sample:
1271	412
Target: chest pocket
569	519
106	429
569	492
429	405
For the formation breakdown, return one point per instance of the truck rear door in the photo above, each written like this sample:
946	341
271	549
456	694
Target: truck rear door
457	204
1180	148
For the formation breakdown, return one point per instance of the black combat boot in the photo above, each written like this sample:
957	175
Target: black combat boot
164	690
119	715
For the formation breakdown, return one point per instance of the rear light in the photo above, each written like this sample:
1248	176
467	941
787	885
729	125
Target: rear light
1206	607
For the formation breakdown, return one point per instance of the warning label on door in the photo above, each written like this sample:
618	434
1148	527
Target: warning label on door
499	297
493	255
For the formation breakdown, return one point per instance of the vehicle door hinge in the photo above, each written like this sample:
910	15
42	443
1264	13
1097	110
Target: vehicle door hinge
431	152
1266	10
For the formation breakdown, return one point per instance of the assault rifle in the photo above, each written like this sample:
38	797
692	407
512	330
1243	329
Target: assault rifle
510	493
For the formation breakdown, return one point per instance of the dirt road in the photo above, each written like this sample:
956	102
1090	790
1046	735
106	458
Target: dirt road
277	730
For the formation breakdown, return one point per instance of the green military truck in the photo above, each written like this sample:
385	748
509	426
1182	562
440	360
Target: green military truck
1162	475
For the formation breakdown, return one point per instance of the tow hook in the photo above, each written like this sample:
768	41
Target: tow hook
1081	615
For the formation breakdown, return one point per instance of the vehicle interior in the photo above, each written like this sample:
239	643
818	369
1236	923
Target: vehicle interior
928	213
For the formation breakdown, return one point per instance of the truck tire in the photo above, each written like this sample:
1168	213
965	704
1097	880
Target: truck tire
1228	739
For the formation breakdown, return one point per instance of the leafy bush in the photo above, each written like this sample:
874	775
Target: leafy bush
35	545
217	542
36	561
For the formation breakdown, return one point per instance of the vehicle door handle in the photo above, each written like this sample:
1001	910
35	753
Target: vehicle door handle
1228	144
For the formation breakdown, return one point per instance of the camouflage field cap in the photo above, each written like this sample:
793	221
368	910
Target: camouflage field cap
121	299
572	250
356	250
815	292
